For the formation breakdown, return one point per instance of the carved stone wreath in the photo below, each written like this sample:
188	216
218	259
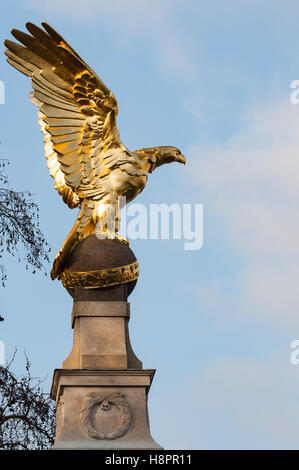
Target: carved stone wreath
94	401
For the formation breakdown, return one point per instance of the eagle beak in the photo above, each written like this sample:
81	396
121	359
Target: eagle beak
181	159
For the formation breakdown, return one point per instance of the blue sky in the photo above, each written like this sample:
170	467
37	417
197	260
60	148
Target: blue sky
212	78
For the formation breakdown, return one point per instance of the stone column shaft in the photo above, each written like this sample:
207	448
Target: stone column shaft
101	338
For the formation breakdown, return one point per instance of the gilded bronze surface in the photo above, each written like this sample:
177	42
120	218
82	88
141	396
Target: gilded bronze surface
100	279
77	113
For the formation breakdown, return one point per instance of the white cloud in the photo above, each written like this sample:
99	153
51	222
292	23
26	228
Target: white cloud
249	402
132	21
251	186
231	404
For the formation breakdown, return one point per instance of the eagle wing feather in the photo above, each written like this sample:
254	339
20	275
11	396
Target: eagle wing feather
77	112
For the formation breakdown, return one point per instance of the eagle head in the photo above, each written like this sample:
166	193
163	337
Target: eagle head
166	154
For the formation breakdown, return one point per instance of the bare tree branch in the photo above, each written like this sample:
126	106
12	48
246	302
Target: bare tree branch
27	415
19	226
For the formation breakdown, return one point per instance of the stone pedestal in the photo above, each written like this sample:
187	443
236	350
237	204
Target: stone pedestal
101	390
101	336
99	409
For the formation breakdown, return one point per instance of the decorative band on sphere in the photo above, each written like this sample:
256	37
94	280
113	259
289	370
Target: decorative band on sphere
100	279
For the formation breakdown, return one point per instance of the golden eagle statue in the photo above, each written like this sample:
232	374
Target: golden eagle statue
77	113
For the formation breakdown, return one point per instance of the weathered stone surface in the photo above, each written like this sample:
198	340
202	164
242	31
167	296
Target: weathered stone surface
101	337
102	409
101	391
93	308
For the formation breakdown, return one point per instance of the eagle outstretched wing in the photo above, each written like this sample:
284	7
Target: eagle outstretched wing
77	112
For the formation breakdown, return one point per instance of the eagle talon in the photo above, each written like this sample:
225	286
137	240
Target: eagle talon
113	236
124	240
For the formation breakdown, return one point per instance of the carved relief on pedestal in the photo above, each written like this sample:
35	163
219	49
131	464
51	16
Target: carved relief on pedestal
106	416
59	417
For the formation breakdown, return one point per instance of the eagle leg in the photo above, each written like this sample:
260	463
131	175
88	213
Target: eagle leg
94	217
